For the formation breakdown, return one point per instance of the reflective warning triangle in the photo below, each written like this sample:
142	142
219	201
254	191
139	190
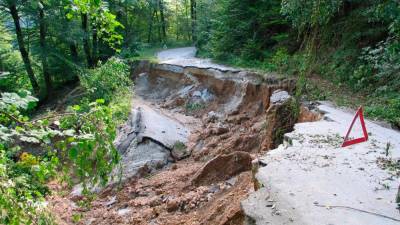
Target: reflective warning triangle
348	142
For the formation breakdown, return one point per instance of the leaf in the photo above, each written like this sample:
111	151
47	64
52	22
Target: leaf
69	16
76	107
69	132
100	101
30	139
73	153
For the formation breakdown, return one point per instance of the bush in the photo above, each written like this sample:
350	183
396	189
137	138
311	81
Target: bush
83	140
89	145
23	177
106	80
388	110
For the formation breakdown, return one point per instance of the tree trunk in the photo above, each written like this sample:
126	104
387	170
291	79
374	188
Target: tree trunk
126	20
42	40
95	42
86	46
22	49
187	22
163	25
73	48
193	15
159	27
74	52
176	21
151	25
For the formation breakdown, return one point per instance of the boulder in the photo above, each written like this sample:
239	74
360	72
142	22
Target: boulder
180	151
222	168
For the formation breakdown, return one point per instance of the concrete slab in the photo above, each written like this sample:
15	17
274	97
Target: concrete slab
310	179
161	128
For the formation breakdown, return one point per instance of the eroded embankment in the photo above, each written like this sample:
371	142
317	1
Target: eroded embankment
188	146
231	104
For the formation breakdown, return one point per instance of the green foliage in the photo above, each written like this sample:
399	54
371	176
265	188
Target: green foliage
388	110
82	140
12	76
310	13
103	20
23	176
90	145
22	189
379	68
194	106
179	146
241	28
106	80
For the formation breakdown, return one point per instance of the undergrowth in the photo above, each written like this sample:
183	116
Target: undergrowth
75	146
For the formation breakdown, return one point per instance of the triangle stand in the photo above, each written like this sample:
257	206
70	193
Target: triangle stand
348	142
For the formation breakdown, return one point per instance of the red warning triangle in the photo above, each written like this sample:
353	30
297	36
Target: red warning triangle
348	142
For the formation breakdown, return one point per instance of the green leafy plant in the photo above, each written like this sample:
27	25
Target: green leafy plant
106	80
191	107
90	146
81	145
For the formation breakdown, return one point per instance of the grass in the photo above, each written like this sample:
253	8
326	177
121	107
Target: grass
375	107
192	107
180	146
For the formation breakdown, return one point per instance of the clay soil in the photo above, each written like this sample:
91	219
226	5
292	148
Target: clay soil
166	197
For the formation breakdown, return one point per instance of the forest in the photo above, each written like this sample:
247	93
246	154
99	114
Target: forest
65	72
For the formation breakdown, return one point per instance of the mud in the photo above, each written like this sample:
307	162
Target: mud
186	150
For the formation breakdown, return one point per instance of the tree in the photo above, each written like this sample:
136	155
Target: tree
43	50
95	15
193	15
162	18
12	8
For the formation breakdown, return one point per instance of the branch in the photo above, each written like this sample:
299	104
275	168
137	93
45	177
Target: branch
11	117
359	210
52	116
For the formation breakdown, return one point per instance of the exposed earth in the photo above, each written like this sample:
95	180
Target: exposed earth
190	146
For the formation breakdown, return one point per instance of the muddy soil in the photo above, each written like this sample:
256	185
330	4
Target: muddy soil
217	114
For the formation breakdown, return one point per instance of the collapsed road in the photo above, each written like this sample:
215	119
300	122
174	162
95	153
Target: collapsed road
201	137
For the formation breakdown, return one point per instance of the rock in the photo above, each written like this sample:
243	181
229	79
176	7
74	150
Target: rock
180	151
142	158
215	129
307	115
206	96
281	117
222	168
196	94
174	167
172	205
111	202
220	129
76	193
123	212
155	201
231	181
279	97
212	117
